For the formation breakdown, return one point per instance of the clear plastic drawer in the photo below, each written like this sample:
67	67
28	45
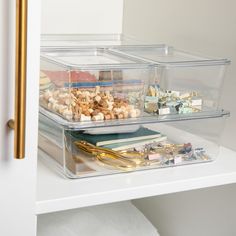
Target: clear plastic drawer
109	149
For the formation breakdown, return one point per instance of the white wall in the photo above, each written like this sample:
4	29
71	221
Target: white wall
207	27
82	16
204	26
206	212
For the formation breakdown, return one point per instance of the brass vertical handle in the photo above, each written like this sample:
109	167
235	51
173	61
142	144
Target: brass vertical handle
18	124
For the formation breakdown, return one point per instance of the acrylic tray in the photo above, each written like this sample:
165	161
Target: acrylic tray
193	141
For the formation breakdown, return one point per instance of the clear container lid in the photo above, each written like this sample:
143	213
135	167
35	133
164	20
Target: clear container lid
91	58
144	119
85	40
168	55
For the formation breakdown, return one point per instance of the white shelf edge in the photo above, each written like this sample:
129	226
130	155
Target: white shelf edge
56	193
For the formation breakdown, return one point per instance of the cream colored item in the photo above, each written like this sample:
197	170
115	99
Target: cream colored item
117	219
44	81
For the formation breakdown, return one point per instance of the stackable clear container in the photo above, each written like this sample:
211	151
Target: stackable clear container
183	82
175	142
91	88
91	84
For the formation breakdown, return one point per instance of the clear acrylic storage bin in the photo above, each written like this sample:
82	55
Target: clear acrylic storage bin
183	82
108	148
89	84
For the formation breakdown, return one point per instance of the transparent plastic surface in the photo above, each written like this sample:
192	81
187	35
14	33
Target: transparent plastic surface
145	118
183	82
92	85
86	153
168	55
86	40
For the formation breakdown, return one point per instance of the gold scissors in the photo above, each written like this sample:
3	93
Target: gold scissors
124	160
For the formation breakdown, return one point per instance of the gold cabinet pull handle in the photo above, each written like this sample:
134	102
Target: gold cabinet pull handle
18	124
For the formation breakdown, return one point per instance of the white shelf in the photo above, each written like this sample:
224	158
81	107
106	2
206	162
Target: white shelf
56	193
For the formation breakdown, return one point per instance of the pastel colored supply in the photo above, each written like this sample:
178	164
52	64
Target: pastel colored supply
178	103
185	103
191	154
154	156
185	110
199	150
187	147
201	153
163	111
178	159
